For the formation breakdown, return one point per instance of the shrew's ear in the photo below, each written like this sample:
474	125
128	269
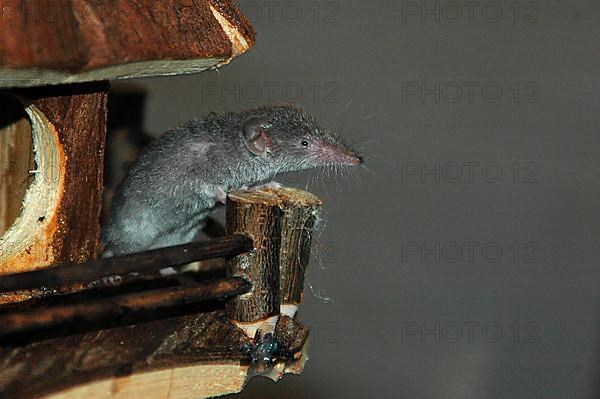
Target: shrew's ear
255	135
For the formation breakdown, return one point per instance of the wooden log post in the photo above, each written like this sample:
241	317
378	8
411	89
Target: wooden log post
300	211
280	223
256	214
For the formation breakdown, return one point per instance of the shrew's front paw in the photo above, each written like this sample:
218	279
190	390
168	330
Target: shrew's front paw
219	195
273	185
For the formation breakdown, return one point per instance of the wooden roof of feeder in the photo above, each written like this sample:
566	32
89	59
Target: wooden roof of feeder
58	42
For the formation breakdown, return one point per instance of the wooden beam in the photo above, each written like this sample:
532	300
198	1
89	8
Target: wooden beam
119	362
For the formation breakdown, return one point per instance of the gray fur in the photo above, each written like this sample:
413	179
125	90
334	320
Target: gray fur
179	179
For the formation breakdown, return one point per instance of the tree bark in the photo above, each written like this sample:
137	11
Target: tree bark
64	41
44	319
59	222
142	262
300	211
258	215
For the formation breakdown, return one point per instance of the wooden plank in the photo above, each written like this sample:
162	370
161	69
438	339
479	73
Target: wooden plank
194	356
64	41
49	366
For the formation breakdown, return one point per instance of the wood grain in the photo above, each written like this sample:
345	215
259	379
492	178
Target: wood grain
258	215
193	356
43	319
71	127
49	366
291	335
143	262
300	210
16	159
65	41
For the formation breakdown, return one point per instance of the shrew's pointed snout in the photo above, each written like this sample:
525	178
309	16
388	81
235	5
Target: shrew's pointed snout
352	157
335	153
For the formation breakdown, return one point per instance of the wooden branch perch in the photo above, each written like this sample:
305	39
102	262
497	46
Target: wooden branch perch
120	265
45	318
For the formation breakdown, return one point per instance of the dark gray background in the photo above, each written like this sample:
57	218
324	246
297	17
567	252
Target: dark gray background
534	313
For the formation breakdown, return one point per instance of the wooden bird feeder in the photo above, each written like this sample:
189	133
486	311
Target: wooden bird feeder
56	58
52	140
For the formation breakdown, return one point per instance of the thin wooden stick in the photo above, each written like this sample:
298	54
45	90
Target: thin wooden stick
119	265
43	319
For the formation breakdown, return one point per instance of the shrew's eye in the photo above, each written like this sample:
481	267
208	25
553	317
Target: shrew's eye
304	143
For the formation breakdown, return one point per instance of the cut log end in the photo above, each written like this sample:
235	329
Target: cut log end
296	197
